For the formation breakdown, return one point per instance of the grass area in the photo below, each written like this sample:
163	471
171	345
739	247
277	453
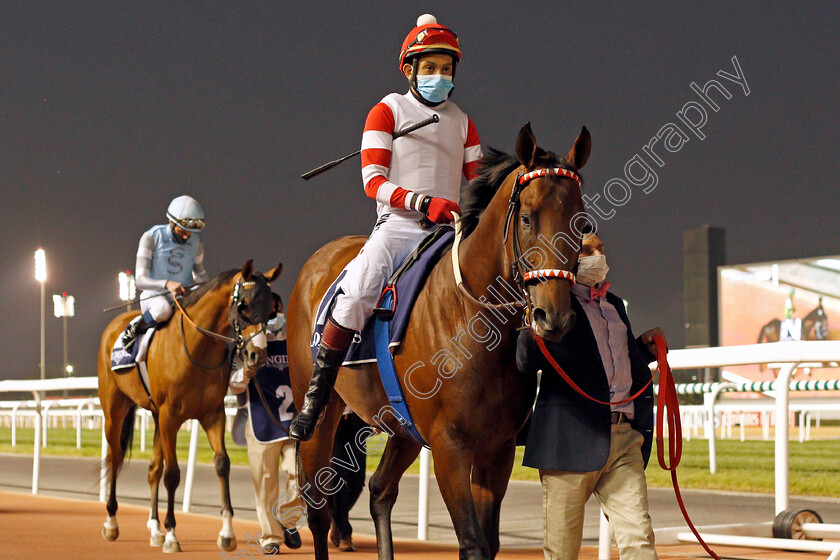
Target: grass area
742	466
62	442
749	467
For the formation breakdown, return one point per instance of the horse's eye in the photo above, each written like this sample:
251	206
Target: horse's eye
526	221
242	307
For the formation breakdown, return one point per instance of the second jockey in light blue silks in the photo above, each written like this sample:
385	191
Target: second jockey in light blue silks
168	257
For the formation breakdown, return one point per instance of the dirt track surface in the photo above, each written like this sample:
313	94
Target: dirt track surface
45	528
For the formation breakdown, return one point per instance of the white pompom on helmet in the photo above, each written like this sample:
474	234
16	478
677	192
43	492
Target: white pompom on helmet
429	37
187	213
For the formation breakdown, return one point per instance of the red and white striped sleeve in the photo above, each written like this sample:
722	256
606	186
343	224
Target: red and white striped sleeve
472	151
377	139
376	157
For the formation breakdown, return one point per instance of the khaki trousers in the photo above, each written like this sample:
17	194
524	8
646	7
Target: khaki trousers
621	490
265	460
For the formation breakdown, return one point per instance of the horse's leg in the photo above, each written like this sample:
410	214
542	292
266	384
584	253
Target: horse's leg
118	413
384	487
171	474
155	472
214	425
316	479
490	477
452	471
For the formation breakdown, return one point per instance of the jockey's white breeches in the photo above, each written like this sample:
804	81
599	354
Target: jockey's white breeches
159	306
392	240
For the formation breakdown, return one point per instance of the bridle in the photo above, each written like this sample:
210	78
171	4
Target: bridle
520	278
240	290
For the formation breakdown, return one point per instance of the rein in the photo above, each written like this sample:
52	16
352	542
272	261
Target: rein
199	328
521	280
667	405
187	351
459	280
238	341
267	408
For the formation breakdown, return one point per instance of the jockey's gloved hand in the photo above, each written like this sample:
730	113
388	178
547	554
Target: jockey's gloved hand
439	210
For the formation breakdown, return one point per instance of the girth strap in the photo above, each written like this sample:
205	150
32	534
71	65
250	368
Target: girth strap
388	373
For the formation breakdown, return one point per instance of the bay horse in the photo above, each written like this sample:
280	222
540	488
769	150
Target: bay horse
815	323
456	363
189	371
771	331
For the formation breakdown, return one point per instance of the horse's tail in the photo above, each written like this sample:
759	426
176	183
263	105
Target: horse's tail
127	434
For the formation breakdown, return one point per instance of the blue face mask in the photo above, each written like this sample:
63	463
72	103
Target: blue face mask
434	88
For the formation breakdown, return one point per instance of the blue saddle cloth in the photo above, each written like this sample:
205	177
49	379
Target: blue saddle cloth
408	287
122	358
273	380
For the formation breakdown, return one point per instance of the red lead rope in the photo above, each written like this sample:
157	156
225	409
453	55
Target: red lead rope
667	404
573	385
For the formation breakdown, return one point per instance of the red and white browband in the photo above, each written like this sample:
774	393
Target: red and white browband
549	171
549	273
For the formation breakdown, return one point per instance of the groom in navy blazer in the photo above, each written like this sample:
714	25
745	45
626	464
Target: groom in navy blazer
579	446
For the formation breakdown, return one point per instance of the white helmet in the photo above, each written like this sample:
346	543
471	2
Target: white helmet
187	213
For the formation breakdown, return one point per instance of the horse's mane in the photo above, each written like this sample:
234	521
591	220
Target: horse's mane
195	295
493	169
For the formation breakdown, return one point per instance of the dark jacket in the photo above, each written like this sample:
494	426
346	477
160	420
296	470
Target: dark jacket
569	432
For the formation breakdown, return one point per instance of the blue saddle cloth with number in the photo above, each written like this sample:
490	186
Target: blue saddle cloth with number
123	359
408	286
274	383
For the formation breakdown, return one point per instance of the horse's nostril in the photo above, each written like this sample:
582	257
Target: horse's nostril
539	316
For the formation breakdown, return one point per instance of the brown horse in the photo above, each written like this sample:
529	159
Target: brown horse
456	362
189	370
815	323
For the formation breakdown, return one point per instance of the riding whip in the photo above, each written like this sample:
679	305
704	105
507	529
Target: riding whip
318	170
144	298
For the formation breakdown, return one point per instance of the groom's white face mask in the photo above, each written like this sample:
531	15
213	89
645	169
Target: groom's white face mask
592	269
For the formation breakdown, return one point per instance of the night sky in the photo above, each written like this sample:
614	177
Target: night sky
109	110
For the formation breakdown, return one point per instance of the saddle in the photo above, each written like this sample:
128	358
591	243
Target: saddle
402	288
122	359
387	310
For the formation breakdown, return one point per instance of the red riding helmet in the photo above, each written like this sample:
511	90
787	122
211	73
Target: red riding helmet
429	37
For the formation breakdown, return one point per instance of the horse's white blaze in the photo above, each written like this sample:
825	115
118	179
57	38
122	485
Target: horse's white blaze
111	523
260	341
227	526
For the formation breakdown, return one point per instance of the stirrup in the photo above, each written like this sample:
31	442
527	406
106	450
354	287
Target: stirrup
383	309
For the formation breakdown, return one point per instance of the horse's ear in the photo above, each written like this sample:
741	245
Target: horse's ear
274	274
580	151
526	147
247	269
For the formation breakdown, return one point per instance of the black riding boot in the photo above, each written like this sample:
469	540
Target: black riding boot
133	332
317	396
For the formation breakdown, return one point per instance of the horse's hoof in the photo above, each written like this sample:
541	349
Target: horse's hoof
156	540
171	546
227	544
346	545
110	534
